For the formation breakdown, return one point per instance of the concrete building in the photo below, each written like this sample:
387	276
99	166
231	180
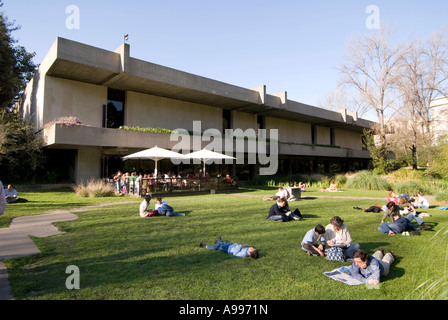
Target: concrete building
439	116
107	90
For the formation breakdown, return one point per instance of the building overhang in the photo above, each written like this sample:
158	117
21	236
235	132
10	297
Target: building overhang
124	142
117	70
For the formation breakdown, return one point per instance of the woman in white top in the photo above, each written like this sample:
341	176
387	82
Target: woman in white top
421	201
145	211
337	234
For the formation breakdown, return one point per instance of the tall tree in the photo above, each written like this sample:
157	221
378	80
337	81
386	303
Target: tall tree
16	65
20	150
423	77
371	70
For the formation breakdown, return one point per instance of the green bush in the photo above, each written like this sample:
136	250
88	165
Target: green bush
367	180
411	187
442	196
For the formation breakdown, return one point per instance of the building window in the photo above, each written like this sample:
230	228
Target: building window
332	137
226	119
115	108
313	134
261	122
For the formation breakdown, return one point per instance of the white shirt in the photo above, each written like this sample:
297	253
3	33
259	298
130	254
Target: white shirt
143	207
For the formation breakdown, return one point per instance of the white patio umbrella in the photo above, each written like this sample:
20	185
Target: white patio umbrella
155	154
206	155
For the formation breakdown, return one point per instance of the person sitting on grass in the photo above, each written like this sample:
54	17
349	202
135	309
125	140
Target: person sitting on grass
395	208
421	201
144	208
166	210
279	211
369	269
337	234
235	249
333	188
310	243
392	197
11	195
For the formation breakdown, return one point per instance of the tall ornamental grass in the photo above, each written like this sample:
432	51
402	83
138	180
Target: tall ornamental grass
367	180
95	188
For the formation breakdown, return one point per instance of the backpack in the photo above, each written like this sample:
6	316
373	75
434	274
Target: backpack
335	254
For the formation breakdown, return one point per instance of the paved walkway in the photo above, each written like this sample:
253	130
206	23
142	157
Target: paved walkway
16	241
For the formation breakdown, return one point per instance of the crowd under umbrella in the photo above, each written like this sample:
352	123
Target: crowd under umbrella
207	155
156	153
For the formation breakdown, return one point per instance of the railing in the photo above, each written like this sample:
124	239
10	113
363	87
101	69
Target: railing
172	185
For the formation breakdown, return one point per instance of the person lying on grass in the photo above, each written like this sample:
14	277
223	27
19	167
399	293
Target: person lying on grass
369	269
310	243
392	208
235	249
166	210
398	226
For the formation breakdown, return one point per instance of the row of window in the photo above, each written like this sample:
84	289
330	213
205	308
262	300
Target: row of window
113	116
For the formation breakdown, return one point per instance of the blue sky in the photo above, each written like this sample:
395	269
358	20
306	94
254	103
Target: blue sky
293	46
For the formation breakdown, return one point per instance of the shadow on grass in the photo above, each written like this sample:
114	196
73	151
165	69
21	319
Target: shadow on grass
148	267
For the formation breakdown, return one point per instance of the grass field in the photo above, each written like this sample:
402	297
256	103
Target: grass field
122	256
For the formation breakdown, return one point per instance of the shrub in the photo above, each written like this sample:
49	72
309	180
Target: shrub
367	180
95	188
411	187
442	196
340	180
404	175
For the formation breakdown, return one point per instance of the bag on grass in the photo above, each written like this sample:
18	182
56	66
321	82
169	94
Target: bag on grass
335	254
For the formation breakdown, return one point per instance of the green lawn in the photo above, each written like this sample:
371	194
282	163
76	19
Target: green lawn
123	256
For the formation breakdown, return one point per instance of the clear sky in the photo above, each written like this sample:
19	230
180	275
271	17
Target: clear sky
294	46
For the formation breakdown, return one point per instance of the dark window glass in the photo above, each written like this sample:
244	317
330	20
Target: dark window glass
115	108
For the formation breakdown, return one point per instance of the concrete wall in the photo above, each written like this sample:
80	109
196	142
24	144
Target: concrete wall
144	110
348	139
73	98
88	164
244	120
290	131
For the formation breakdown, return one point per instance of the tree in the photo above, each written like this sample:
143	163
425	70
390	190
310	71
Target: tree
372	70
20	150
423	77
16	65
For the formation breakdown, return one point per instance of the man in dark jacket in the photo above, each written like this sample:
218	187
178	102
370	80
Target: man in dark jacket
279	211
398	225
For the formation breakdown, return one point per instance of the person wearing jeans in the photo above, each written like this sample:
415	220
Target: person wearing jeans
392	208
369	269
337	234
235	249
399	225
165	209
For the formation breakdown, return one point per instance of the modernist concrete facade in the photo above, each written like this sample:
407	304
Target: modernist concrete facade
439	115
79	80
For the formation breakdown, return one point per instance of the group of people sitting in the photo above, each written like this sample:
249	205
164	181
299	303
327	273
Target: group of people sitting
365	268
401	209
333	187
160	209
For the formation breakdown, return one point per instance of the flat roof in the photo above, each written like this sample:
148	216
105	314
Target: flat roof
117	70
